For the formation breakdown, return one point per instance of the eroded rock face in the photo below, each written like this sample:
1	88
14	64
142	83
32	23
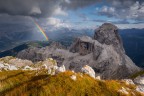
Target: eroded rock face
40	54
108	34
104	53
82	46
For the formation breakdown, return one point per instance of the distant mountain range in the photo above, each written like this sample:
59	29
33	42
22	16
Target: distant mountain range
11	38
133	41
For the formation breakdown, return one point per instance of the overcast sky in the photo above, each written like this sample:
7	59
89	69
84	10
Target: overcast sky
74	13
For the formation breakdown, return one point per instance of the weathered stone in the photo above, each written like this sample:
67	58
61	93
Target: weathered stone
88	70
123	90
73	77
27	68
140	89
60	69
105	54
98	77
108	34
82	46
139	80
128	81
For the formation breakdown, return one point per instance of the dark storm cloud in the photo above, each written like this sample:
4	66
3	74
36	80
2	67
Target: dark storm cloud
40	8
74	4
28	7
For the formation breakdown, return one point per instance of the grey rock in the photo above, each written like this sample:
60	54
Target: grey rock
39	54
88	70
108	34
82	45
139	80
104	53
128	81
108	56
140	89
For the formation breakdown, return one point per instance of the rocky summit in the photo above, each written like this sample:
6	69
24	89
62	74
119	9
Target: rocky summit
104	53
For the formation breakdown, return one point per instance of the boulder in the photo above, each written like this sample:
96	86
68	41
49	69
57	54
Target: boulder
1	65
19	62
128	81
27	68
44	66
12	68
52	70
140	88
88	70
98	77
139	80
6	67
73	77
60	69
124	91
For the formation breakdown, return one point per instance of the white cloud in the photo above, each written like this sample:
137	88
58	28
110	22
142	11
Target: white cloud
68	1
35	10
129	26
42	8
55	22
59	11
127	9
105	10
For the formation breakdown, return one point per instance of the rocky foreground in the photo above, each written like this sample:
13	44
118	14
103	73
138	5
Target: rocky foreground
90	67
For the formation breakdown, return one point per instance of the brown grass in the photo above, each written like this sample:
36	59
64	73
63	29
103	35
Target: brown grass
31	83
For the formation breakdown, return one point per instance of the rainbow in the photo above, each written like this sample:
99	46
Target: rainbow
41	30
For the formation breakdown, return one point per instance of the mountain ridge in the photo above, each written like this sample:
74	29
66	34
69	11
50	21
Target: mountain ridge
102	54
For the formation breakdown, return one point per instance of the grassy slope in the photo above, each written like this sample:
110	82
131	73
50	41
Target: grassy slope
31	83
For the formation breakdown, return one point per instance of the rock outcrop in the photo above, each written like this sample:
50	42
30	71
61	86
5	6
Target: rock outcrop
60	69
104	53
82	45
88	70
108	34
73	77
139	80
140	88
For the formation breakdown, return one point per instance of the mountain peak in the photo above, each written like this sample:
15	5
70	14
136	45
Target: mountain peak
107	34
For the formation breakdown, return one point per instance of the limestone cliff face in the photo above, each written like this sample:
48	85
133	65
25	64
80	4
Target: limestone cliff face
104	53
108	34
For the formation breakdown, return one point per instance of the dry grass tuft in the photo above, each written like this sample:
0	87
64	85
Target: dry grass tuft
32	83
